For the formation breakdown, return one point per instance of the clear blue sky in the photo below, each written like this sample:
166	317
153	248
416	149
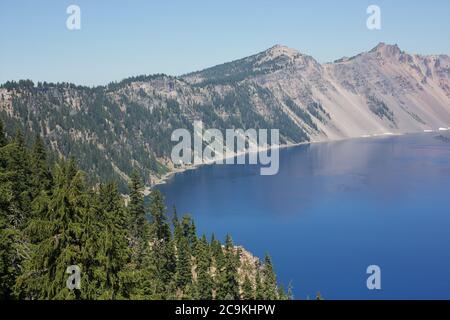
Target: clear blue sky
124	38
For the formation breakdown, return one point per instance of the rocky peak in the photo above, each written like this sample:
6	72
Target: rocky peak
283	56
387	50
281	50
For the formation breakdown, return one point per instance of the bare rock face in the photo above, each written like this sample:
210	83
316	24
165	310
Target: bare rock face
128	124
412	90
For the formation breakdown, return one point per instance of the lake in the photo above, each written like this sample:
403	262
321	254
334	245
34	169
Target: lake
334	209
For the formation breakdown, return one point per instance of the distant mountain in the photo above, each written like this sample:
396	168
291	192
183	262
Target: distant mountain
114	128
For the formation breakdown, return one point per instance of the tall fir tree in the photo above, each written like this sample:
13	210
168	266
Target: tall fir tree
143	278
177	228
41	178
136	210
15	203
184	268
248	293
259	289
62	232
162	244
269	280
204	279
18	166
189	231
106	246
218	261
158	214
3	140
229	286
8	271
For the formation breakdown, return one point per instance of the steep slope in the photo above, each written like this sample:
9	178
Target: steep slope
406	93
380	91
127	125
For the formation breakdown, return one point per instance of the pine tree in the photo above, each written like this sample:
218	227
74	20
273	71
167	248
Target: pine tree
229	286
175	220
177	228
18	171
3	140
107	246
8	272
204	279
136	210
162	243
281	294
143	276
121	254
259	289
14	212
189	231
218	260
184	266
269	280
248	293
62	231
159	219
41	178
148	284
6	281
217	253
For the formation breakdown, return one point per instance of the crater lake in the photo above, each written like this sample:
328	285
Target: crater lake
334	209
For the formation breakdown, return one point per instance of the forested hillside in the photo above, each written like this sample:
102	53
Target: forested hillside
125	126
50	219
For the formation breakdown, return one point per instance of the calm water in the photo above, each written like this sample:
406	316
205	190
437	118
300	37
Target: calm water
334	209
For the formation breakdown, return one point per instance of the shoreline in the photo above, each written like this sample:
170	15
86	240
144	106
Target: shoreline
171	174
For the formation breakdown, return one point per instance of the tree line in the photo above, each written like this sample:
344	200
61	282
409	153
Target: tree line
50	219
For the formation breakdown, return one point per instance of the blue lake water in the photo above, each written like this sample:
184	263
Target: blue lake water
334	209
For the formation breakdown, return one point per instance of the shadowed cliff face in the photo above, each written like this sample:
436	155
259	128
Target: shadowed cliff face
128	124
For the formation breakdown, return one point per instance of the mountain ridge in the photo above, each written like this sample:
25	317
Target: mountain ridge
127	124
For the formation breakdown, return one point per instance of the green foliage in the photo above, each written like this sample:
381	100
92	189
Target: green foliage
205	284
269	280
248	293
107	250
115	128
136	210
229	287
40	172
239	70
3	140
318	112
53	219
302	114
259	288
380	108
161	228
8	270
184	266
62	232
161	241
